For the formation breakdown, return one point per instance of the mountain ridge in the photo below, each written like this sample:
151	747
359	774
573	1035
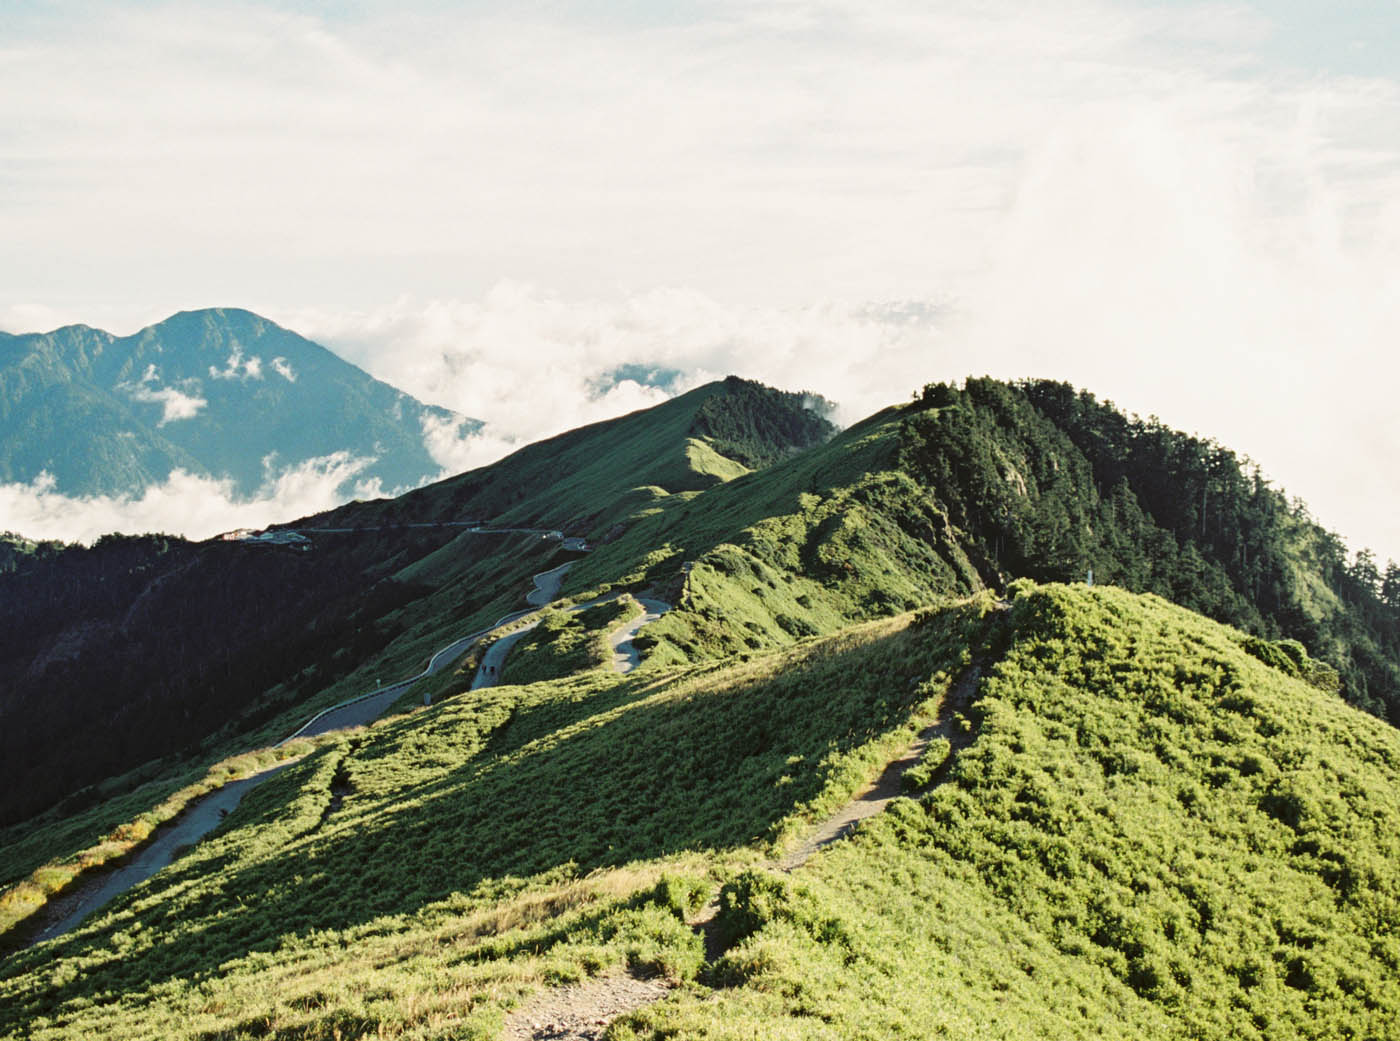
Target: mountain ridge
218	392
1139	822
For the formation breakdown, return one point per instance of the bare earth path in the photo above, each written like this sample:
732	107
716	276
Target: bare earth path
581	1012
890	784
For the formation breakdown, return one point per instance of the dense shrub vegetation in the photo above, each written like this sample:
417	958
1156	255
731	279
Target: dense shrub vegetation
1048	483
1152	835
758	426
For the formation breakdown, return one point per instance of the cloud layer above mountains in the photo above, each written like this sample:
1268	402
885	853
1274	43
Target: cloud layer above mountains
1191	209
186	504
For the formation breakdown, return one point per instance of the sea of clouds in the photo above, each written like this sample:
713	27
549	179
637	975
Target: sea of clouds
1192	210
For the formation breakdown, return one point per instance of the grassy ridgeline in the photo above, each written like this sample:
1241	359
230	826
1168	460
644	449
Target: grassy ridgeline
1152	834
577	792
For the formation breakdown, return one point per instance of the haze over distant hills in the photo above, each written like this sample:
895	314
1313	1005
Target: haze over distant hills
219	393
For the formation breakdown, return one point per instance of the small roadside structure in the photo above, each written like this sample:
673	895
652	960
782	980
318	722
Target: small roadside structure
277	538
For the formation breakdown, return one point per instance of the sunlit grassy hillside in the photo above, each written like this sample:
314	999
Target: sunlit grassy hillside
1150	833
589	479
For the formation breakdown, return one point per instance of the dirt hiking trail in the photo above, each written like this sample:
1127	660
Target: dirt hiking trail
582	1011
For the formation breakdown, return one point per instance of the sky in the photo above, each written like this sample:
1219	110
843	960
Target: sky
1190	209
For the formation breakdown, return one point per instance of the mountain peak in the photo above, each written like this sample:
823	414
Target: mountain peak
215	392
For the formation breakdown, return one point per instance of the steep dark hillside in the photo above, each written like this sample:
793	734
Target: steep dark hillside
220	392
17	551
140	648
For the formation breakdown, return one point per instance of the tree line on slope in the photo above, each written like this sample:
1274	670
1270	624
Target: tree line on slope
1048	482
759	426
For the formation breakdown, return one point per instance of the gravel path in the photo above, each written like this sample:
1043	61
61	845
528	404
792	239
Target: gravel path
581	1012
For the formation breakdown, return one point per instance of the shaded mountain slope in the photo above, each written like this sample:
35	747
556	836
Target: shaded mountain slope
141	649
219	392
150	650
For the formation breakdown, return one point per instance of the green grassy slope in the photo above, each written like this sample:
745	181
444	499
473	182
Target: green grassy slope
1151	834
485	801
1161	826
587	479
565	643
972	487
236	645
834	535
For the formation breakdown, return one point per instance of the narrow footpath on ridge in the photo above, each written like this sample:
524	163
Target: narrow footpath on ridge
583	1011
206	813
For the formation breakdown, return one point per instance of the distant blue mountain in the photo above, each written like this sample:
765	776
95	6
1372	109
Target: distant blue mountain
220	392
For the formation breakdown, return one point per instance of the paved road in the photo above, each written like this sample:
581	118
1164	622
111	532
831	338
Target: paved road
626	657
547	585
573	543
363	710
205	814
197	820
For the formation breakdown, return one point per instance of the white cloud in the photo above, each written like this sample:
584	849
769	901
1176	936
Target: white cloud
1146	199
186	504
456	449
175	404
530	364
283	368
239	367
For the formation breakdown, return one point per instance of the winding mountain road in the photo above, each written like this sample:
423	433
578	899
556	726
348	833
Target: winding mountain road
197	820
205	814
547	585
626	657
364	709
